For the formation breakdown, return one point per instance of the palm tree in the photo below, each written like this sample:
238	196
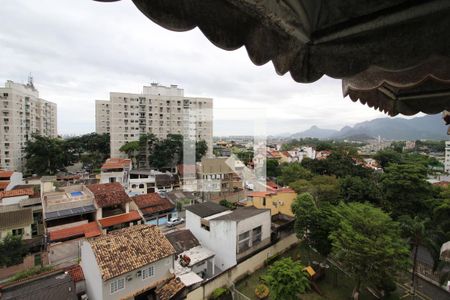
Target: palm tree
416	231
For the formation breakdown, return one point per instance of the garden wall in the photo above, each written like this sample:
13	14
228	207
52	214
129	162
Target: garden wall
241	270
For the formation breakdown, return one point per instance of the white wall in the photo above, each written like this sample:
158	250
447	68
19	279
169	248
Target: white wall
221	239
94	283
97	289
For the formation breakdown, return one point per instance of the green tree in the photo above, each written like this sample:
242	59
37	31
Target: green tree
273	168
12	251
292	172
357	189
418	235
286	279
368	244
46	155
132	150
405	190
388	156
200	150
313	223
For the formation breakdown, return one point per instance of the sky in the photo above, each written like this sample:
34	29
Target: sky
79	51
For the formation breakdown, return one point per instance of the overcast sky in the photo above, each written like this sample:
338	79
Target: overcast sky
79	51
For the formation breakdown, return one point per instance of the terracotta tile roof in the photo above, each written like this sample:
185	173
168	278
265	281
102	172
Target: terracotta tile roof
128	249
285	190
16	193
119	219
152	203
116	163
442	183
272	184
15	218
85	230
76	272
109	194
189	169
260	194
182	240
170	289
4	185
5	174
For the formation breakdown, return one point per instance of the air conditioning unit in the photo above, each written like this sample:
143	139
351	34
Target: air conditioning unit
129	278
139	273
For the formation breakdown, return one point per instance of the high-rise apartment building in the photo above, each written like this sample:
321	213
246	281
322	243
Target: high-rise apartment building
159	110
23	113
447	157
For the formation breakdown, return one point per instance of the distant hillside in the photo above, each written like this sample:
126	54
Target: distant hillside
429	127
315	132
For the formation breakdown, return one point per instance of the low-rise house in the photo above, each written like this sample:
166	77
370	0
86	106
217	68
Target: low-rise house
166	182
219	179
279	201
77	275
52	285
113	207
9	179
16	221
142	182
116	170
155	209
188	177
320	155
127	263
232	234
174	289
184	198
194	262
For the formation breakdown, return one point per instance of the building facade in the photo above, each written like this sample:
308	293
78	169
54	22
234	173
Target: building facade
22	114
447	156
158	110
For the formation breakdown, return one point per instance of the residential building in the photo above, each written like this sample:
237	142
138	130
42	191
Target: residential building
166	182
447	157
9	179
219	179
188	177
127	263
113	207
49	285
68	207
22	114
155	209
158	110
142	182
232	234
116	170
279	201
184	198
194	262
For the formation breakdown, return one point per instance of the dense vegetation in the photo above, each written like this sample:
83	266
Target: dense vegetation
48	156
369	221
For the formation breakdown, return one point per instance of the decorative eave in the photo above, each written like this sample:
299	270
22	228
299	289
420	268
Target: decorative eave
425	88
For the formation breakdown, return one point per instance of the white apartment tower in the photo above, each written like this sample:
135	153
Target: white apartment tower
160	110
447	157
23	113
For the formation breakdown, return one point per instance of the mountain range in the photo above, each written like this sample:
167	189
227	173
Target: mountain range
430	127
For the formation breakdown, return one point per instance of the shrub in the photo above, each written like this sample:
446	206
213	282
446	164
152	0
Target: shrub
261	291
219	293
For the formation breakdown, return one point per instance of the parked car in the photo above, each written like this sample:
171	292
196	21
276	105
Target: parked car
175	221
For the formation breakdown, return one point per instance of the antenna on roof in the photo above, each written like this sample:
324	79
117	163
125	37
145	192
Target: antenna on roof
30	81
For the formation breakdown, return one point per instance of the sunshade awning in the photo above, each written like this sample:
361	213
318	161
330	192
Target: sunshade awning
311	38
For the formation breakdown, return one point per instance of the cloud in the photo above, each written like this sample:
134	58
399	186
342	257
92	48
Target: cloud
79	51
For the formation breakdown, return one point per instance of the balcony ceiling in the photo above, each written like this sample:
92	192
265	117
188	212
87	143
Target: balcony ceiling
350	40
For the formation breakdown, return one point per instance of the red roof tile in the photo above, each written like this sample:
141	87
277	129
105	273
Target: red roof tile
442	183
3	185
76	272
272	184
85	230
109	194
16	193
189	169
119	219
285	190
116	163
152	203
5	174
260	194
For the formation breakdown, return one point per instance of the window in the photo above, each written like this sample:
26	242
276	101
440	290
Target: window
148	272
256	235
117	285
17	232
244	241
264	201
